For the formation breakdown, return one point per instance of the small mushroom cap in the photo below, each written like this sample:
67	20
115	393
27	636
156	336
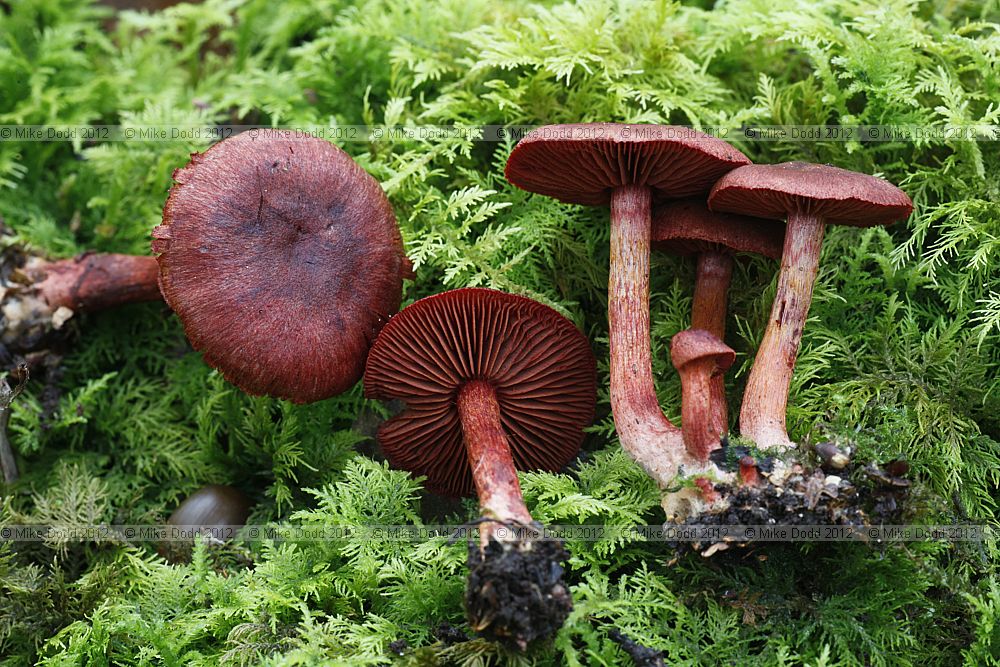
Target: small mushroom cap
282	258
213	505
539	364
839	196
584	163
687	227
697	344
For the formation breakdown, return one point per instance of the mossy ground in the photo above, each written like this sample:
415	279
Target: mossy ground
900	356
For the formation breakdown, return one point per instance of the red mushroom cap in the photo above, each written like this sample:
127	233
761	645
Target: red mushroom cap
687	227
839	196
583	163
283	259
696	344
539	364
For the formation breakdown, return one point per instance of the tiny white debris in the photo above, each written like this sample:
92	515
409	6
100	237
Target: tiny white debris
779	473
13	310
718	546
60	317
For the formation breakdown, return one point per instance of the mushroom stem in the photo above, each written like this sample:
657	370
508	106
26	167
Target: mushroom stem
493	469
93	282
711	290
762	417
749	475
700	428
708	312
645	433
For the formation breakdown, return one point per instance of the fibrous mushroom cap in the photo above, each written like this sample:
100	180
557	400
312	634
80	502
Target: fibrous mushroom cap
282	258
697	344
839	196
687	227
584	163
539	364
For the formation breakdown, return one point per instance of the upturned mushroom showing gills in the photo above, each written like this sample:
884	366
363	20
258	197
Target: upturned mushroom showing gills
282	258
493	383
687	227
699	357
627	166
809	197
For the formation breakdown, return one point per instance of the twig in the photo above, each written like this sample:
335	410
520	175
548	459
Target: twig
7	396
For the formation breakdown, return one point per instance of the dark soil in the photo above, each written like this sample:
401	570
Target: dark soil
34	334
449	634
515	593
845	494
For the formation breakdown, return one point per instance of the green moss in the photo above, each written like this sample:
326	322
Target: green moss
900	356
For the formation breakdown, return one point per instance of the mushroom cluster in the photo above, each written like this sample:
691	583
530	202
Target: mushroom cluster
713	204
284	262
627	167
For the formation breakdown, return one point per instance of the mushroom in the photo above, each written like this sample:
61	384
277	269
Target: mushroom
687	227
39	295
699	358
214	508
809	196
626	166
212	505
493	383
282	258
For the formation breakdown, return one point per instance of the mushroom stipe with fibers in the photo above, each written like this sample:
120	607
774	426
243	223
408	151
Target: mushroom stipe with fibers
809	197
282	258
627	167
492	383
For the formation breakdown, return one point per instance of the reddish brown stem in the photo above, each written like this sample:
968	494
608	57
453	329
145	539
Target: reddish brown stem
493	469
701	431
762	417
645	433
93	282
708	312
748	471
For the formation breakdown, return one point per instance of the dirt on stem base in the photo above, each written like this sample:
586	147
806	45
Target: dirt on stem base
793	493
515	592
